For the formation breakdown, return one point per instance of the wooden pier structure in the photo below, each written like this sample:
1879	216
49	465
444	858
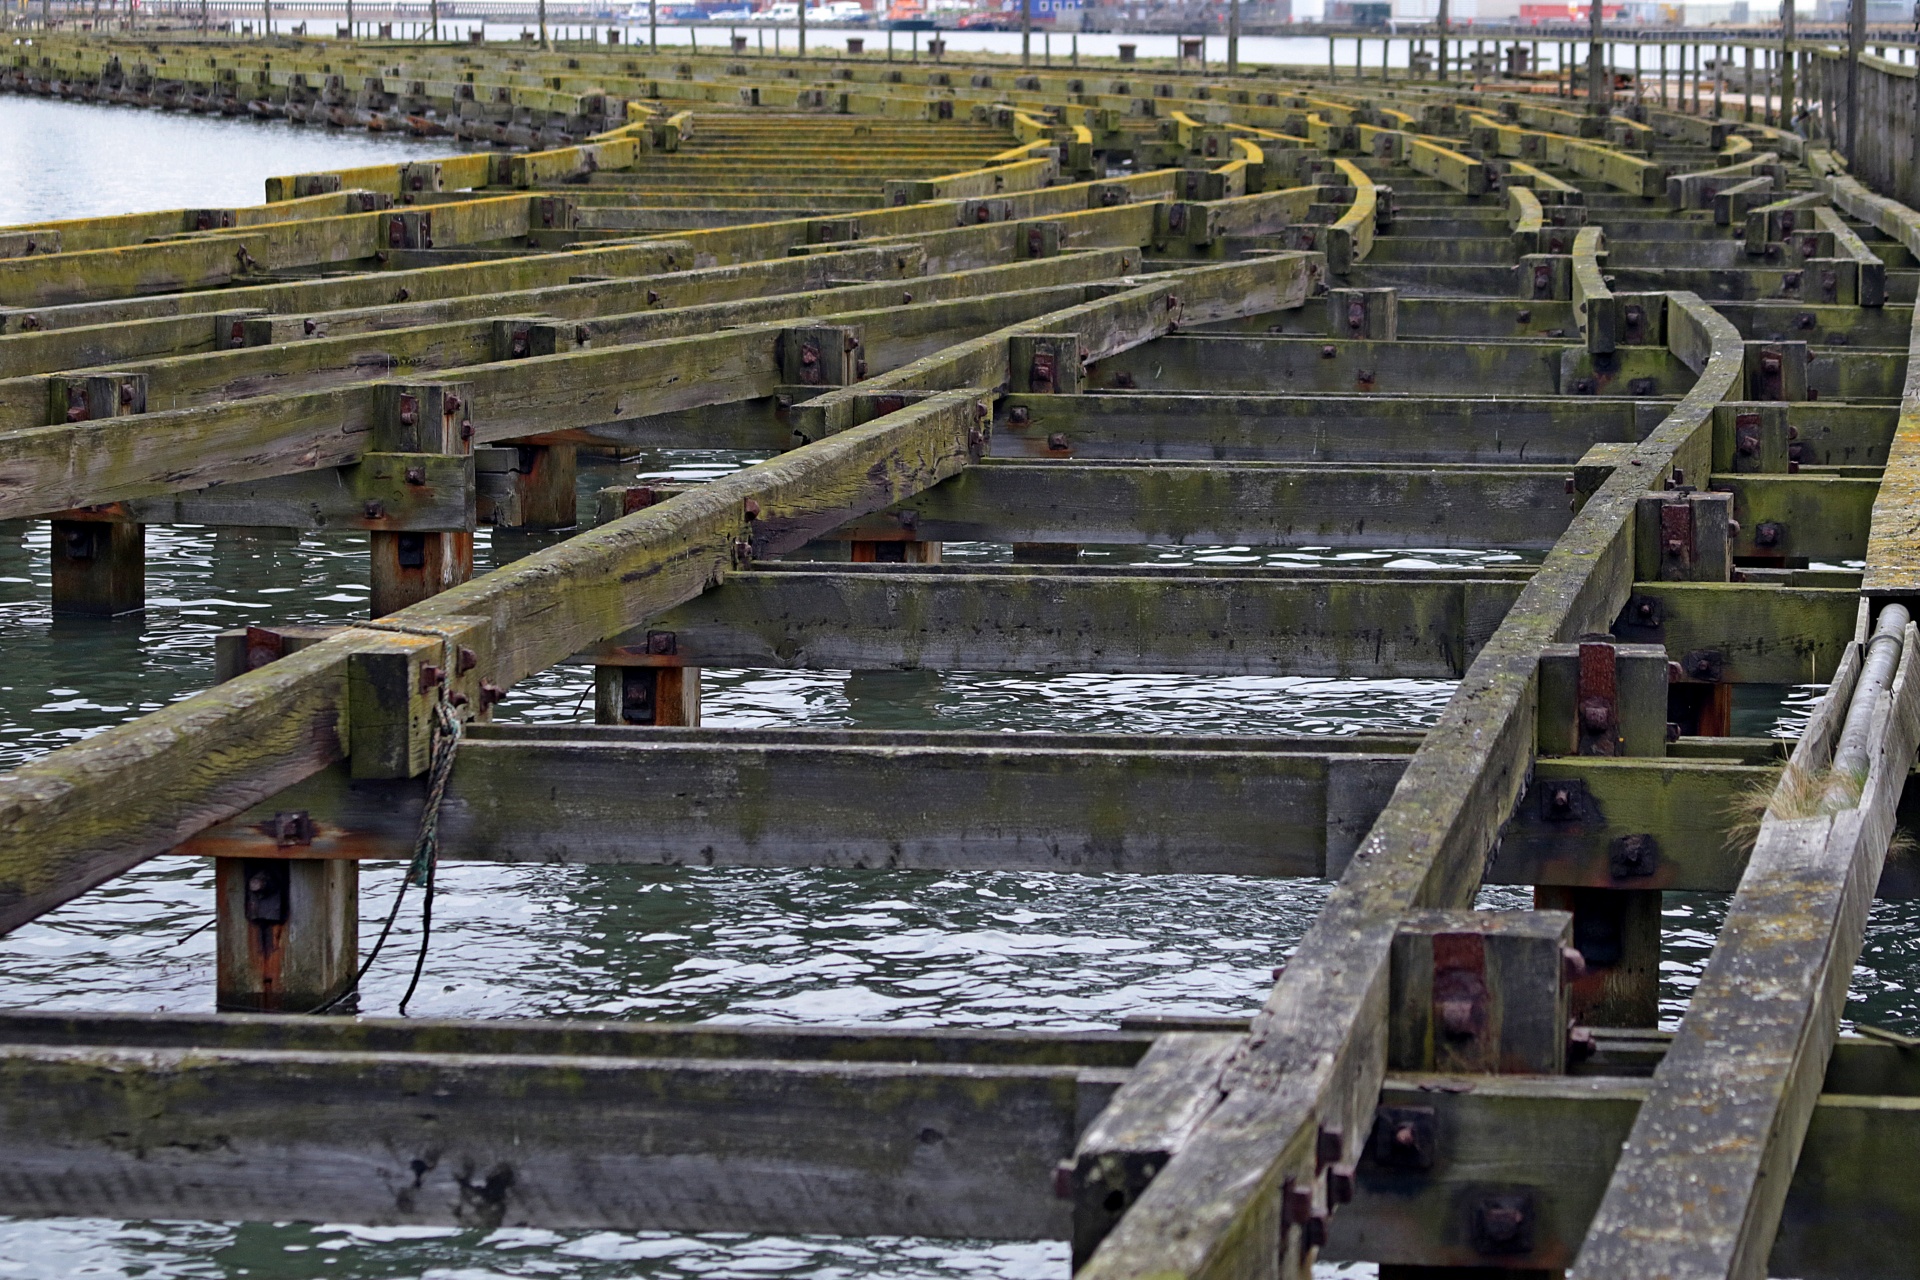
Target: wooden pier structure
1670	358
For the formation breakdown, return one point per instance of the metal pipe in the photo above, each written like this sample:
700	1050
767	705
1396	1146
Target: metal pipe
1853	753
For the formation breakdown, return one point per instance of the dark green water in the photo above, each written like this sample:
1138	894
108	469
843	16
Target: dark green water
984	950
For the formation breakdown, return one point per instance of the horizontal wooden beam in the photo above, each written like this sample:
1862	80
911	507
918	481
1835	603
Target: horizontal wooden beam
1307	428
1358	625
1044	802
1260	504
488	1140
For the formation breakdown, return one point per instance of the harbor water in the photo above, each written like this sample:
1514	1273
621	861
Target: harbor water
982	949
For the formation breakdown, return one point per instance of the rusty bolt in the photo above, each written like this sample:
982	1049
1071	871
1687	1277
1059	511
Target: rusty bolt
1329	351
466	660
1058	442
1123	379
652	297
1768	534
1569	484
1791	279
1063	1180
1524	316
752	509
1804	320
1596	714
1364	377
490	693
1340	1184
1019	415
906	295
1561	800
1580	1045
376	510
430	677
1313	1232
402	295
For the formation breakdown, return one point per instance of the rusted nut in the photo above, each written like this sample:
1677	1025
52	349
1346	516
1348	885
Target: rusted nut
1313	1232
1523	316
402	295
1570	484
430	678
1644	612
1340	1184
453	404
1460	1019
1768	534
1329	351
1019	415
490	693
752	509
1503	1224
906	295
1791	280
1560	800
375	509
416	475
653	297
1596	715
126	395
310	326
1123	379
1580	1045
1585	387
466	660
1058	442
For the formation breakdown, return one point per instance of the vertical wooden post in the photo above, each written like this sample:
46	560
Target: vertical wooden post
286	929
1600	698
1856	37
1787	66
1233	37
1746	90
650	695
1599	92
406	568
527	486
99	566
1443	21
99	558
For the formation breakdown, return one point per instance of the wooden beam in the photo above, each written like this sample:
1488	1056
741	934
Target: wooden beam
843	1148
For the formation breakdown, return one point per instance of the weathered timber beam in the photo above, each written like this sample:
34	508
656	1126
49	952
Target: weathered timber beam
203	262
944	308
490	1140
77	817
1267	807
579	1037
304	311
1105	328
1844	1218
1893	537
110	459
1410	625
1183	362
1267	504
1307	428
1317	1053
